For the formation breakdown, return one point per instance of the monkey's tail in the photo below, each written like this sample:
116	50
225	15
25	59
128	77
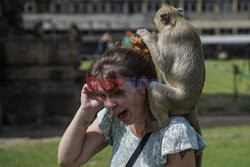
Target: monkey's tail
192	117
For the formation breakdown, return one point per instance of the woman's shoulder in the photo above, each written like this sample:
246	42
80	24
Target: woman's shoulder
179	120
177	123
179	127
179	135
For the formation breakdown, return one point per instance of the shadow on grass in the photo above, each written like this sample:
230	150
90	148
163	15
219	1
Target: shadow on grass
224	103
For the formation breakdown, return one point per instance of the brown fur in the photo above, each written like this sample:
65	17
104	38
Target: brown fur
179	56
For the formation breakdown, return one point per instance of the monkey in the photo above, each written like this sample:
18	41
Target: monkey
178	54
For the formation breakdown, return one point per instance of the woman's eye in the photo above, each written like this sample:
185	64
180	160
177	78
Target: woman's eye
118	93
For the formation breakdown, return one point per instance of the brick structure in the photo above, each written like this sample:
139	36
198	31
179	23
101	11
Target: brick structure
39	80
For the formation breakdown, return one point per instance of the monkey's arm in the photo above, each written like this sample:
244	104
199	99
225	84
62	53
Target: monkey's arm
158	58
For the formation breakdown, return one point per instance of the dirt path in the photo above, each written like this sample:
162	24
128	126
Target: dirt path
5	142
211	121
17	135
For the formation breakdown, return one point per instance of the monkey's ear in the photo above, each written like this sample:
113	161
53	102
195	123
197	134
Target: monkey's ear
181	12
165	18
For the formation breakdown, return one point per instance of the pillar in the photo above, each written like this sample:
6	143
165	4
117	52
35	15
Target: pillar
199	6
234	6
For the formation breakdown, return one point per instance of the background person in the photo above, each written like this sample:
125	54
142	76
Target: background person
104	43
126	42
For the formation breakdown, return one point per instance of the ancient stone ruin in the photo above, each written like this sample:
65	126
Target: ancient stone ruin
40	81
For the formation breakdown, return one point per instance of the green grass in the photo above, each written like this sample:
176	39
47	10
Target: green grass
227	146
85	65
220	81
218	90
37	154
43	154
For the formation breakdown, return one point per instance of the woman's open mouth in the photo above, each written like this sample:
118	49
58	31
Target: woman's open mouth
123	115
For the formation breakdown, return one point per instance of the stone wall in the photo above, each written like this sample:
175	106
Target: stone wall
40	81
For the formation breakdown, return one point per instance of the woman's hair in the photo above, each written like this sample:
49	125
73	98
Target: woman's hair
131	63
122	62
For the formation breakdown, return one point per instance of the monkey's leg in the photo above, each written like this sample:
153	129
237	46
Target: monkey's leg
192	117
160	114
154	50
170	98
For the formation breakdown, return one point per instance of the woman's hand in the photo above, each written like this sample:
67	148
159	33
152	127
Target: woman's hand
90	101
82	139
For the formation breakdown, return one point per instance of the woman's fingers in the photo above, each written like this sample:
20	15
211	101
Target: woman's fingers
90	99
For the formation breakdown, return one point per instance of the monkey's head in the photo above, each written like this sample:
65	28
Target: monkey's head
166	15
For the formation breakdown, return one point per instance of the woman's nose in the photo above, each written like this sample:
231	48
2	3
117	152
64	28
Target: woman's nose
109	103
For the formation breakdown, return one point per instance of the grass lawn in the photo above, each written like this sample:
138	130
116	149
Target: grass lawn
218	89
227	146
85	64
219	77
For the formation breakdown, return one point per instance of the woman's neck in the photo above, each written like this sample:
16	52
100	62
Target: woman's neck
139	127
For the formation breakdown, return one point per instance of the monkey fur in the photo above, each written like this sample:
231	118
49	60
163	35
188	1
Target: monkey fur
179	56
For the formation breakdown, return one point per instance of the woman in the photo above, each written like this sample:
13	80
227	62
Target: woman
117	81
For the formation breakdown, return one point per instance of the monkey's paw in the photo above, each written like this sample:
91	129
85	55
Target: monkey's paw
144	34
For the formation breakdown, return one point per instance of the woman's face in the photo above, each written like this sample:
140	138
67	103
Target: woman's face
127	103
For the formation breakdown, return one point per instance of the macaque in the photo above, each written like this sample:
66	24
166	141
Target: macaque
179	56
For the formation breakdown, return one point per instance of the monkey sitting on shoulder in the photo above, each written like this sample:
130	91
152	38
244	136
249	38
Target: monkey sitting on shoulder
179	56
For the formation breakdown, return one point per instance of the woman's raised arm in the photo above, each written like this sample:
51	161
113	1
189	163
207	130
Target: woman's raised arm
82	140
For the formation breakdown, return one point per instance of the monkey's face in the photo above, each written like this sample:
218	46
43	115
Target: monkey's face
166	15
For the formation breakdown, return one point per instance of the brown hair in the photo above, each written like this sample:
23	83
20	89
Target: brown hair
134	62
123	62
